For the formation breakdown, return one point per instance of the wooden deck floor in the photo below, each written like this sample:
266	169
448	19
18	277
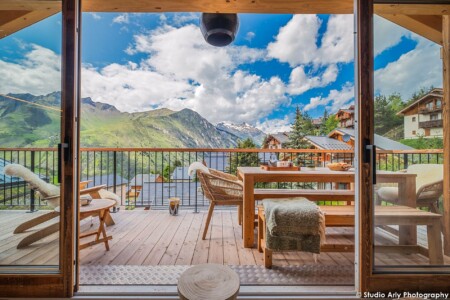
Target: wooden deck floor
155	238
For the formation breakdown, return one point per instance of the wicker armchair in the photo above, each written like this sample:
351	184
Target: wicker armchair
221	189
429	186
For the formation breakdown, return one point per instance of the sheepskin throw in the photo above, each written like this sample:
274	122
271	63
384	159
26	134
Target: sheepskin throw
294	224
197	166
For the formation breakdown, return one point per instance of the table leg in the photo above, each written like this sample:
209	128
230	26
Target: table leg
101	229
249	212
407	196
435	253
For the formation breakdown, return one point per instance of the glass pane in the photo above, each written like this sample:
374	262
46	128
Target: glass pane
30	110
408	134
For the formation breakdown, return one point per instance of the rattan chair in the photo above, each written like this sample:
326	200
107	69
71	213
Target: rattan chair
429	186
220	189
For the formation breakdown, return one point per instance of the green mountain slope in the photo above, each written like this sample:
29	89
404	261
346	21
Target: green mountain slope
102	125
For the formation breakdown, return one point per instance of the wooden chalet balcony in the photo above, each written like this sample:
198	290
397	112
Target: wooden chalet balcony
431	124
429	110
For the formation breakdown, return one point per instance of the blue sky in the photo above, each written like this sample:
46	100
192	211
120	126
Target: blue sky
140	62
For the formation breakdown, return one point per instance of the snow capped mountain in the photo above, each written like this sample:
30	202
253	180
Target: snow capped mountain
242	131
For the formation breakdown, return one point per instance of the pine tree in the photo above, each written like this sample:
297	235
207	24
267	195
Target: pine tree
247	159
301	127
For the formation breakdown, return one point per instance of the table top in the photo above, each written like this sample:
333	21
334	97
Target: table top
319	171
97	205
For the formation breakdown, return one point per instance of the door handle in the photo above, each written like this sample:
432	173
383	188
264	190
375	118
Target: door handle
62	147
371	157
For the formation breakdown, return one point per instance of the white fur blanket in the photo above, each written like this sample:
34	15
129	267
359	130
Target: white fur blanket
45	189
197	166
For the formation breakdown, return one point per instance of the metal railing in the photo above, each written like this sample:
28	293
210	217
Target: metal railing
145	177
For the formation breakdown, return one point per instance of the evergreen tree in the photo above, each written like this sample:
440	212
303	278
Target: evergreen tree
245	159
330	124
326	119
301	127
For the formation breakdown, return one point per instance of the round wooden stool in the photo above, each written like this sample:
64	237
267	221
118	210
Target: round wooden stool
208	282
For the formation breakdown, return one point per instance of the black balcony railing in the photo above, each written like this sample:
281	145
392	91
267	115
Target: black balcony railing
431	124
148	177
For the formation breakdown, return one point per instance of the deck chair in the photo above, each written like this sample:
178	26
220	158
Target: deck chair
429	186
220	189
51	194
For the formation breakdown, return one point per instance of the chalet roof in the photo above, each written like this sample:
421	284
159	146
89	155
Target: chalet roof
282	137
139	179
437	92
107	179
381	142
180	173
327	143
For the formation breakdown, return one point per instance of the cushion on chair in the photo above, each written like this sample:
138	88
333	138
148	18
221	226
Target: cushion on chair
389	194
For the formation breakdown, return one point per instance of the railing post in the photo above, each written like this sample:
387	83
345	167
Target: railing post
114	171
405	161
32	198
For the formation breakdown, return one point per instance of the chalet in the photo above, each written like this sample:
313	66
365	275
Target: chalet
140	179
424	116
180	174
327	143
346	117
347	136
276	140
317	122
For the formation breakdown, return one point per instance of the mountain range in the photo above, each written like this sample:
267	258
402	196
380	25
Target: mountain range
102	125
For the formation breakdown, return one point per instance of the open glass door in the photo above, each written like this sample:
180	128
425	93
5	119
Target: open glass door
37	173
404	209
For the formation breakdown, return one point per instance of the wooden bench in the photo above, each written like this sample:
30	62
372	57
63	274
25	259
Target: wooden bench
312	195
384	215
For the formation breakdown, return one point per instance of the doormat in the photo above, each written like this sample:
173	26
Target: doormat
249	275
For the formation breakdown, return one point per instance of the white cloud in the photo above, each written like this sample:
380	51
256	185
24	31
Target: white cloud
334	100
182	71
249	36
121	19
387	34
95	16
420	67
274	125
300	82
297	42
180	19
38	73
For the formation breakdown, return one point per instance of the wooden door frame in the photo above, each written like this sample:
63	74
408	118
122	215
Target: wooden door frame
59	282
364	85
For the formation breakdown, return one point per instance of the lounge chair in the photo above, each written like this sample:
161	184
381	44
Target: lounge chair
51	194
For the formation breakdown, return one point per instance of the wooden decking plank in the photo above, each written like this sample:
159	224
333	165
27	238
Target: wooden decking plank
123	220
186	240
123	238
245	254
194	234
201	251
152	240
154	257
127	252
216	245
230	253
172	251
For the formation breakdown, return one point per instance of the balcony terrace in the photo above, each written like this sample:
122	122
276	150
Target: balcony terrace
145	236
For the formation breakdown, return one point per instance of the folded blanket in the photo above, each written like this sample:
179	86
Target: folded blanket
295	224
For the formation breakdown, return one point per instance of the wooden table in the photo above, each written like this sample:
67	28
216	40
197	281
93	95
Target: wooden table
252	175
100	208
